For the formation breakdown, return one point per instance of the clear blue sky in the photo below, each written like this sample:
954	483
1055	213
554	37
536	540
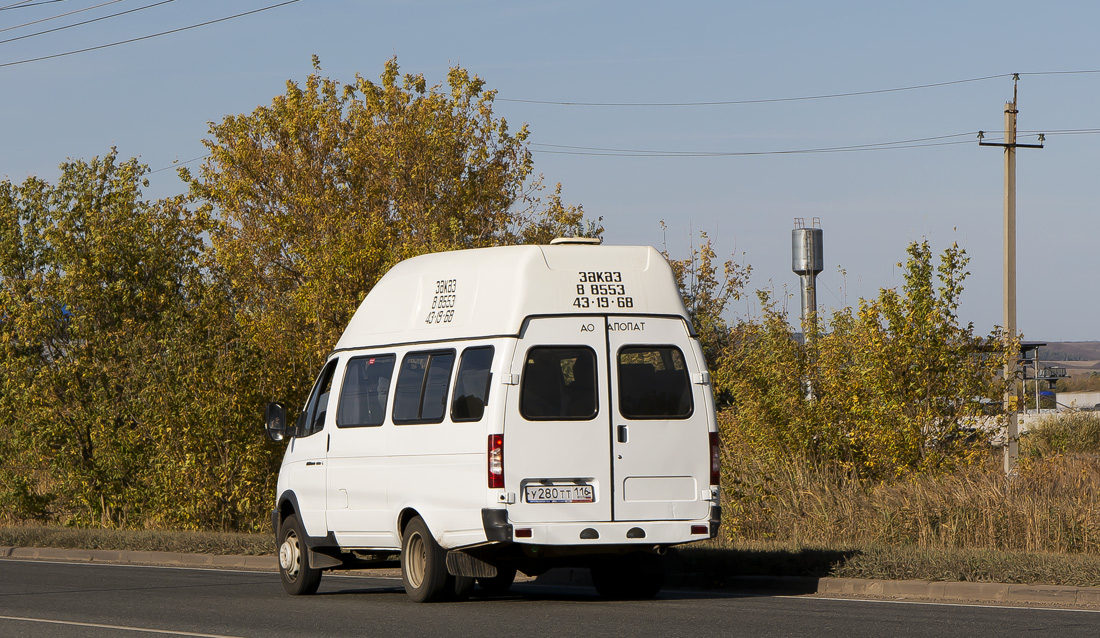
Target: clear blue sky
153	99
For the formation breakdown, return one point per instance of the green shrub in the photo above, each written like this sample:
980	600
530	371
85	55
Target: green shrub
1063	433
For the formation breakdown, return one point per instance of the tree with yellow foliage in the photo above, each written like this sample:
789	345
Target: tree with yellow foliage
95	283
319	193
140	339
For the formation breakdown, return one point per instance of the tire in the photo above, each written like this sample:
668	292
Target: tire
499	584
299	579
462	588
424	567
633	577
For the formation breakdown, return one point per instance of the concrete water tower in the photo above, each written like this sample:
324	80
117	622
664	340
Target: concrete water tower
807	261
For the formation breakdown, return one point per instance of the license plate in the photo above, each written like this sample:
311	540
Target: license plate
572	493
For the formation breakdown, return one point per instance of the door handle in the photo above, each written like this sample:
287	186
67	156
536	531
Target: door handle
622	433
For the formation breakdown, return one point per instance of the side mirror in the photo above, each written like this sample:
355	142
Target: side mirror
275	421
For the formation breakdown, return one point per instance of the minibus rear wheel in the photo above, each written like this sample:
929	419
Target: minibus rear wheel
424	567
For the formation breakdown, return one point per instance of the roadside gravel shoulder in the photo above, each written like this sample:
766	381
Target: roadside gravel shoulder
902	590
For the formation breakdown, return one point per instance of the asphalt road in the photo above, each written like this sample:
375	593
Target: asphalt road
68	600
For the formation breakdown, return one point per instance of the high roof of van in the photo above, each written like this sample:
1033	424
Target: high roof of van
490	291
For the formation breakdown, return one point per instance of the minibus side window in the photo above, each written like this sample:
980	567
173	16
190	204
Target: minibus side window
312	419
365	392
421	394
472	384
654	383
559	384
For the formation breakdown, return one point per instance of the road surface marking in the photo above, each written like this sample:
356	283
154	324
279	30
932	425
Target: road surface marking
116	627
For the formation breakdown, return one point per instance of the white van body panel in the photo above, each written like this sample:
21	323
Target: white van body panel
440	473
305	475
617	306
359	468
491	291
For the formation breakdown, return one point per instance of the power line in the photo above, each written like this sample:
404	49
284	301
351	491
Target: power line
178	164
24	5
61	15
14	5
1084	71
559	149
147	37
805	151
826	96
77	24
1068	131
921	142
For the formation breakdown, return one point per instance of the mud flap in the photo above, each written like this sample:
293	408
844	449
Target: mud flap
460	563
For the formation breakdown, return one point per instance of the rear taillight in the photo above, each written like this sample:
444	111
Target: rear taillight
715	460
496	461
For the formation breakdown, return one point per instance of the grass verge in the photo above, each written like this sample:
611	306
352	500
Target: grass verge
228	544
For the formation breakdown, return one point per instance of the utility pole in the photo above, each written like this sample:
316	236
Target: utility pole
1014	387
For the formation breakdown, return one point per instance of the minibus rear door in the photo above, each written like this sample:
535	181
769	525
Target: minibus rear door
660	404
557	446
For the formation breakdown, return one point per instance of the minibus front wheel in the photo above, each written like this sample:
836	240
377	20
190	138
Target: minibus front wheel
299	579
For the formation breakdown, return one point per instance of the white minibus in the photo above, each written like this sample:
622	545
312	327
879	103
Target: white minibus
505	409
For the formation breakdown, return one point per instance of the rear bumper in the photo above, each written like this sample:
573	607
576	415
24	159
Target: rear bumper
499	529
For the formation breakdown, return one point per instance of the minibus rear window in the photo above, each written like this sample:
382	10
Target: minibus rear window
472	384
654	383
365	392
421	394
559	384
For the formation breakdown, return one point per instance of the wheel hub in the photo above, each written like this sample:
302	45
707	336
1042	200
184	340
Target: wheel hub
415	556
289	556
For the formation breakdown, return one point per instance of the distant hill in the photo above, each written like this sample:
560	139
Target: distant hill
1071	351
1081	359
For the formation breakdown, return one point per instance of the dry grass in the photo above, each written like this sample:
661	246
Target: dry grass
1052	505
1069	432
792	518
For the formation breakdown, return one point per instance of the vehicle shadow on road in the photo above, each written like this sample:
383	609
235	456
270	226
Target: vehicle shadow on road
717	567
529	591
693	573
